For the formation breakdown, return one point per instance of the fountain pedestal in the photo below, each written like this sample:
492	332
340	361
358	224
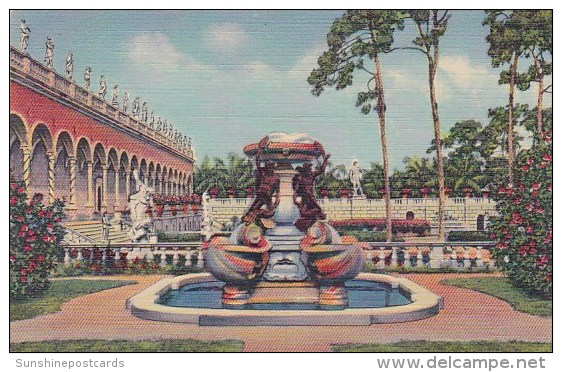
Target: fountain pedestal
285	263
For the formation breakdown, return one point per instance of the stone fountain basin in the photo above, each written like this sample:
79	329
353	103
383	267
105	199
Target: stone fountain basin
334	262
236	263
145	305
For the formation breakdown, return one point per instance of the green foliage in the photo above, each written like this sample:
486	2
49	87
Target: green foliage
503	289
50	300
447	347
35	236
127	346
524	225
468	236
233	172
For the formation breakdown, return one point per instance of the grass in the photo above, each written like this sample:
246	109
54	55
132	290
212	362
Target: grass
124	346
59	292
447	347
502	288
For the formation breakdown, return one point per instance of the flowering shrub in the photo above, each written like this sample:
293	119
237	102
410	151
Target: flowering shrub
418	226
524	226
35	235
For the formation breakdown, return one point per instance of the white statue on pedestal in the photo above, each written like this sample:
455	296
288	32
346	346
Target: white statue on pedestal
103	88
115	96
355	176
69	66
87	77
24	36
138	204
49	51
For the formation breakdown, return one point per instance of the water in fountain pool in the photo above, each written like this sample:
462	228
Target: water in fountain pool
361	294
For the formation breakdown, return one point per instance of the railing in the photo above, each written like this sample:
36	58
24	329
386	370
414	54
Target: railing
396	201
459	255
188	252
37	71
74	237
452	255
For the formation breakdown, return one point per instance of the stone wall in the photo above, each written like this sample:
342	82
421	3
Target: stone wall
464	210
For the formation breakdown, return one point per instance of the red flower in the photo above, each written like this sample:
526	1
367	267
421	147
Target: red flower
525	168
24	228
529	230
23	271
21	190
27	248
530	161
49	226
548	277
13	200
30	232
23	278
12	259
40	258
27	210
535	194
49	215
46	238
21	234
13	186
541	262
20	218
549	187
547	157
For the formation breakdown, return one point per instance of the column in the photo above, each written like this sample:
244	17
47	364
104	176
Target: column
116	204
72	197
51	159
104	186
90	176
26	166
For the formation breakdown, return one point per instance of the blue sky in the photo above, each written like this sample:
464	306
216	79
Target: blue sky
227	78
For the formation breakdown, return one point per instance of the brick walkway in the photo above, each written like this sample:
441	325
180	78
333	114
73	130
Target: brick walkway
468	315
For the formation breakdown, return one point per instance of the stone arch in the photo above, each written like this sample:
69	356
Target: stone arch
83	158
481	222
165	180
143	171
18	141
158	178
190	184
112	197
134	165
99	163
124	168
64	151
170	181
150	174
41	150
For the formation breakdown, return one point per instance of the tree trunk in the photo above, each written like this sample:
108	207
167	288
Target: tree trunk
381	111
510	108
438	150
540	76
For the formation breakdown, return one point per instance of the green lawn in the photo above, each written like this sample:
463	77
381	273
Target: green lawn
123	346
59	292
504	290
447	347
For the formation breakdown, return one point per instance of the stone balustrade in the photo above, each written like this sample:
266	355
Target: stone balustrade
70	90
435	255
464	210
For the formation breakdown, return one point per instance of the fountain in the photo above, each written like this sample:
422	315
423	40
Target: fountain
285	264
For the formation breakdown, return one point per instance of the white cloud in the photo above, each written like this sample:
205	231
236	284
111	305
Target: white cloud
227	37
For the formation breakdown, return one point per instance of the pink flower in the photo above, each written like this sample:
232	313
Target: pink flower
547	157
529	230
530	161
525	168
27	248
23	271
13	200
12	259
13	186
23	278
21	190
